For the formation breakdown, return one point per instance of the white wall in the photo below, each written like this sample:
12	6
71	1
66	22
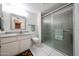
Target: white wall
39	25
76	30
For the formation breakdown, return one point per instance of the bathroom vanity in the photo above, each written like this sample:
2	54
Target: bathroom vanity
18	31
19	39
13	44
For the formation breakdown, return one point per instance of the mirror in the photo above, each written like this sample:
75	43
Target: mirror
18	22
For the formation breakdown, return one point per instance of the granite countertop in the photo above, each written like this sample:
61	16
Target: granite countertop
15	34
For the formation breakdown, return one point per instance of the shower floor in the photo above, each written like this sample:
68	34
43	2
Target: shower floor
49	43
67	51
45	50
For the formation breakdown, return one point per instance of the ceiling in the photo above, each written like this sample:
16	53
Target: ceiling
37	7
43	7
33	7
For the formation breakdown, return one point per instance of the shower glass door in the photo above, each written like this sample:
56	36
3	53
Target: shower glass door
63	32
46	30
57	31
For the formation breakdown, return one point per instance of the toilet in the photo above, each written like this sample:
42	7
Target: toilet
36	41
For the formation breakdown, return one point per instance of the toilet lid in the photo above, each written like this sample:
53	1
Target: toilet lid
35	38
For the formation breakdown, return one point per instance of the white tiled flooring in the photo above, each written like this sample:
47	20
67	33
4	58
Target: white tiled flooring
44	50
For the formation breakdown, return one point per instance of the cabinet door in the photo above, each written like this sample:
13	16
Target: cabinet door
10	49
25	44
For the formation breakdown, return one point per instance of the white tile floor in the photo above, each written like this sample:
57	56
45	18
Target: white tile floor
44	50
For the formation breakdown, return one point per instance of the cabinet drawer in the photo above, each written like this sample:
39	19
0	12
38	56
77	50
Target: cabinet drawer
8	39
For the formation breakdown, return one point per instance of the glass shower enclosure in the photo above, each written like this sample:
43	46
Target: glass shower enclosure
57	31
